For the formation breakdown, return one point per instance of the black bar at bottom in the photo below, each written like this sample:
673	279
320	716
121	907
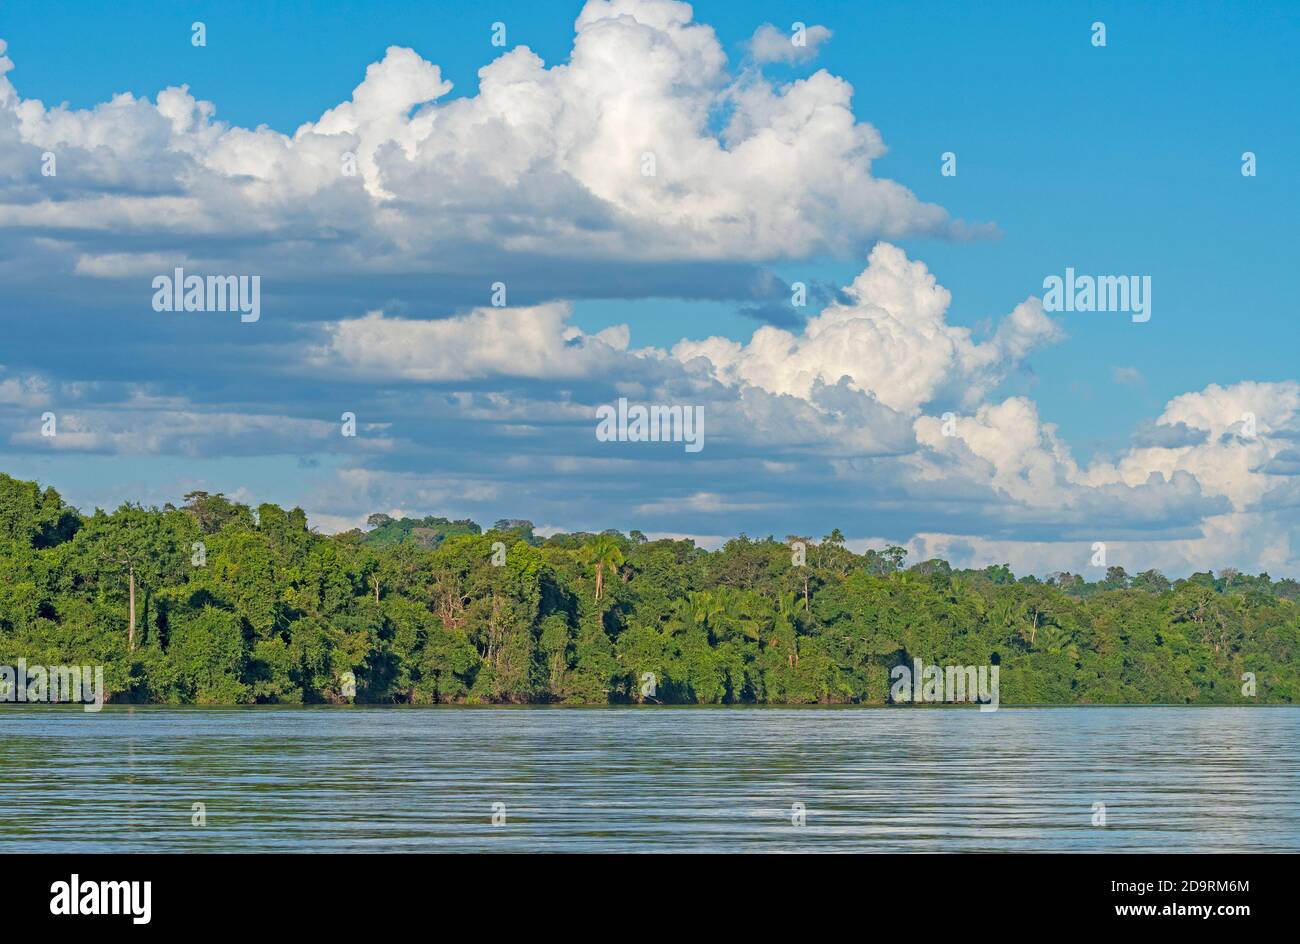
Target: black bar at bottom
909	894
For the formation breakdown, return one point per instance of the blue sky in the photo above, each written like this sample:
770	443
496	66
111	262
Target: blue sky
1117	160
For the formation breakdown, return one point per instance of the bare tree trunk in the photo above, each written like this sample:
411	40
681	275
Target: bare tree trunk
376	582
130	633
600	579
495	644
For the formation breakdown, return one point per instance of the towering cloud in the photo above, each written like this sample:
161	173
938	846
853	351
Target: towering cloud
615	154
644	166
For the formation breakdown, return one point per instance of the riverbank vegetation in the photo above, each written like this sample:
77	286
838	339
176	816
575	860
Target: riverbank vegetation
214	602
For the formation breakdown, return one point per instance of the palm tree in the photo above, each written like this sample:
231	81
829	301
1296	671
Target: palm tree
1035	614
1004	613
604	551
734	611
1057	639
699	609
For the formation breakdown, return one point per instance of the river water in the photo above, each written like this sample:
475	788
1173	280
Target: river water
726	779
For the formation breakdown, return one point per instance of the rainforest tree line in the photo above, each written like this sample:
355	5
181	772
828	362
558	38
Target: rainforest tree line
214	602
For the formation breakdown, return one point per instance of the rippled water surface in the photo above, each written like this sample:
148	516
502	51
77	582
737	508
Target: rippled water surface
645	780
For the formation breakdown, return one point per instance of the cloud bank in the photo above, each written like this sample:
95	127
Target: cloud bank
642	167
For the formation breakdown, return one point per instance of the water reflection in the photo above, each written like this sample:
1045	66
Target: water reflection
672	779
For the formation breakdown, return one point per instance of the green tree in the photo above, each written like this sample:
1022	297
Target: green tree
606	555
